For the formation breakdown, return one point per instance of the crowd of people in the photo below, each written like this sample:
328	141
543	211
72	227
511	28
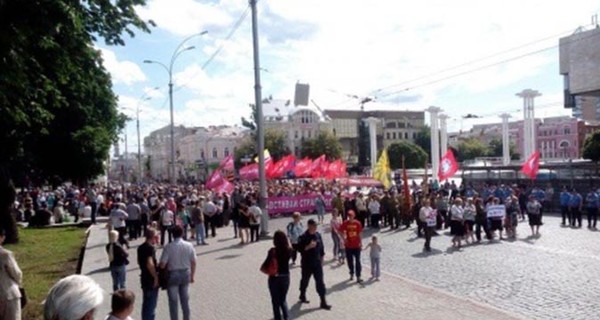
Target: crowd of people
174	217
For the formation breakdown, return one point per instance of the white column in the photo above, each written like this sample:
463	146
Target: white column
372	122
505	139
435	140
529	129
443	133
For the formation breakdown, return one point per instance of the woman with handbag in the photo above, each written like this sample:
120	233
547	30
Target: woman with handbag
10	282
276	265
117	256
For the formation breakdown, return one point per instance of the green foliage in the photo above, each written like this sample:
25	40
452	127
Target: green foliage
325	143
58	115
423	140
495	149
470	149
591	147
275	142
414	155
251	123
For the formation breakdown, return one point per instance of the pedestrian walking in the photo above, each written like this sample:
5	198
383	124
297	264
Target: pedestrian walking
428	218
294	230
117	257
512	216
133	222
481	221
167	221
375	255
146	255
279	283
351	230
210	218
312	251
118	216
121	305
320	208
179	257
336	235
255	220
11	279
457	228
533	213
198	221
469	214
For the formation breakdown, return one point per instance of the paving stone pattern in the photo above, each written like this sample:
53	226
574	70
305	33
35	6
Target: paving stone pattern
229	285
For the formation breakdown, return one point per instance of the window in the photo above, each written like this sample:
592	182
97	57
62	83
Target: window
406	135
309	133
214	153
296	134
391	125
567	130
387	135
202	154
394	135
414	135
226	152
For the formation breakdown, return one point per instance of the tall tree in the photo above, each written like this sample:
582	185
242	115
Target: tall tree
324	143
414	155
495	149
251	122
58	115
275	142
591	147
470	149
423	140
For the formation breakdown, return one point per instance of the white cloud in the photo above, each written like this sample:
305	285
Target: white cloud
122	72
355	47
184	17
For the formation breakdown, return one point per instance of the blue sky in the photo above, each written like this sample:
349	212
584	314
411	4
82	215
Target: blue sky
347	47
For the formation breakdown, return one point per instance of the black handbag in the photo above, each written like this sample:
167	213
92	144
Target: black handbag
23	297
163	278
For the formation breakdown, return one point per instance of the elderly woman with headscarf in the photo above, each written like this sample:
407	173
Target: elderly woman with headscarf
75	297
117	256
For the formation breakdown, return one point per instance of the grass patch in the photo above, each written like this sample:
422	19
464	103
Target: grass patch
45	256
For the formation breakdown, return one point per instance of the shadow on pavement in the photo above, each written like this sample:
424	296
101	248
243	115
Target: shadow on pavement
297	312
340	286
425	254
101	270
237	245
229	256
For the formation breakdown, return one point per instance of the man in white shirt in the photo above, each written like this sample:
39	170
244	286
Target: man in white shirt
117	220
210	211
179	257
255	214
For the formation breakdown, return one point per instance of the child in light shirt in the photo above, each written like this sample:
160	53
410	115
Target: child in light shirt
375	255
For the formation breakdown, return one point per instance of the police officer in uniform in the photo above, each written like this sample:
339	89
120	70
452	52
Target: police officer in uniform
312	251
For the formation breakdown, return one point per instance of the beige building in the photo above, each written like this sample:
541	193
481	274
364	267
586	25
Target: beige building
394	126
297	122
157	148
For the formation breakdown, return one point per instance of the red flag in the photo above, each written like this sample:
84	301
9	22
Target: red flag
282	166
303	167
227	163
249	172
225	186
532	165
335	169
214	180
448	166
316	170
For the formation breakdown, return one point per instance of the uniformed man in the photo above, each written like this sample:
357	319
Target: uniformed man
312	251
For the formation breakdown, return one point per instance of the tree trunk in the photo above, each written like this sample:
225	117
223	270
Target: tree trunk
7	199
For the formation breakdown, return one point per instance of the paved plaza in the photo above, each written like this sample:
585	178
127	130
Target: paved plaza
548	277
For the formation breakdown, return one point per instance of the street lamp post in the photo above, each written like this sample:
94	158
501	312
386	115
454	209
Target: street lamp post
169	70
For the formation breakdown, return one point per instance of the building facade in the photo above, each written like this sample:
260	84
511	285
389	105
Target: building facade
395	126
157	148
557	138
297	122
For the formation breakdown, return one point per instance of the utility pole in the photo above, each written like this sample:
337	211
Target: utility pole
262	198
126	166
139	146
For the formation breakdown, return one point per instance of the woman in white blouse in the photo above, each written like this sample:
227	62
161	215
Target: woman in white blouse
457	227
10	281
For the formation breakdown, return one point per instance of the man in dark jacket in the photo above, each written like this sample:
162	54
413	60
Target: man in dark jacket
311	248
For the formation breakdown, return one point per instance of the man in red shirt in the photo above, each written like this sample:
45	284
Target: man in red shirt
351	230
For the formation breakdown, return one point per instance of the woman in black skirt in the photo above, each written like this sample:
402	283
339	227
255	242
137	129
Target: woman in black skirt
457	227
495	223
533	213
244	223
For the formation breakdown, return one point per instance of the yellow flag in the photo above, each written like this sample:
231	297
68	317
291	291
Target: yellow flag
382	170
267	156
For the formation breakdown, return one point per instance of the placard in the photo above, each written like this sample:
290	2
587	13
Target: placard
496	211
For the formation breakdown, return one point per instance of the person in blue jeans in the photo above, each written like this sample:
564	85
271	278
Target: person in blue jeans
279	283
179	257
146	254
117	256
